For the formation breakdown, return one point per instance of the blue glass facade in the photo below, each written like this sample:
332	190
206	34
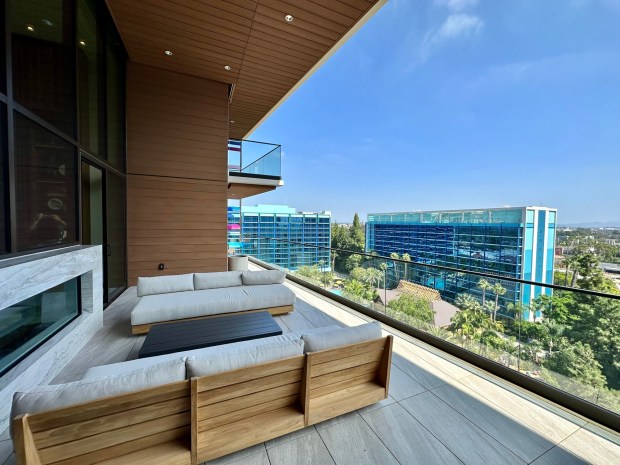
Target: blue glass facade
514	242
259	225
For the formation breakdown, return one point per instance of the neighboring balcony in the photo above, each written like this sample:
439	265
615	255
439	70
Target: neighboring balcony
253	168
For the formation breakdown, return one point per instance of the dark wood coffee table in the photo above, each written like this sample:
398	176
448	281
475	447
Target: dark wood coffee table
194	334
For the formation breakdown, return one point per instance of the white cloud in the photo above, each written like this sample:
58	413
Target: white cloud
459	25
457	5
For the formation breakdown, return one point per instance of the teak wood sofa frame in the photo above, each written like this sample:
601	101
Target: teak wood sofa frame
145	328
189	422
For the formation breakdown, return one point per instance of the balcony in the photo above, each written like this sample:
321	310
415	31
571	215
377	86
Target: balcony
441	410
253	168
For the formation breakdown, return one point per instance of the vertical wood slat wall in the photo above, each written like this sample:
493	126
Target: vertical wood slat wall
177	165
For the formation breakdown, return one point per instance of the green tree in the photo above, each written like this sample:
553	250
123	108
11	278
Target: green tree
598	324
467	302
577	361
413	306
352	261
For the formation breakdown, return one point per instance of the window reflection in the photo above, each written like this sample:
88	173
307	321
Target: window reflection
45	175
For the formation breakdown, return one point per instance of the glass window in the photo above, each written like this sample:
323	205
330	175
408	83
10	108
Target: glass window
115	98
43	43
4	208
25	325
45	176
2	52
90	71
116	233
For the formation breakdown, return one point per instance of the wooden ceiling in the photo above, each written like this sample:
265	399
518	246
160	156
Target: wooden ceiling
268	56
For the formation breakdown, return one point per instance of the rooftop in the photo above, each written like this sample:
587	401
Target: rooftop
441	410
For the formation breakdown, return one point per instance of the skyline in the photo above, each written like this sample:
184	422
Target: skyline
446	104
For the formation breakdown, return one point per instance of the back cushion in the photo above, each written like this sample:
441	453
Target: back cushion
50	397
217	280
279	348
341	337
251	278
165	284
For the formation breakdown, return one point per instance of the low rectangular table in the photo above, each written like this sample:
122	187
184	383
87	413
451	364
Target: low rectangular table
195	334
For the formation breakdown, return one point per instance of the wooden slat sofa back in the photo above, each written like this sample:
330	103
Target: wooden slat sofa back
190	422
139	427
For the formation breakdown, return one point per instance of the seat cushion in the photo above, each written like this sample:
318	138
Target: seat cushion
217	279
254	278
180	305
218	359
54	396
115	369
313	342
165	284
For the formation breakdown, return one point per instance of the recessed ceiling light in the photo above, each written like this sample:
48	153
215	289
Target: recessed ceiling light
227	68
289	18
30	27
47	22
232	121
168	52
82	43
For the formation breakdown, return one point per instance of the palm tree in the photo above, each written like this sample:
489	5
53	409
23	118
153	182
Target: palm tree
407	258
395	257
555	330
498	290
485	286
467	302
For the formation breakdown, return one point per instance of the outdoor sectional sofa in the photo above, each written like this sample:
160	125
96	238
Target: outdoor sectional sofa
165	299
187	408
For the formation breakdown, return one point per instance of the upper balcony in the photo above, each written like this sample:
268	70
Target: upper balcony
253	168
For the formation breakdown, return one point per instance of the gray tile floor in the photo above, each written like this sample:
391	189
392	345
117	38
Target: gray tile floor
440	410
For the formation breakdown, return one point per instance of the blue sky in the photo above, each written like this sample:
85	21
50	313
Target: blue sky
449	104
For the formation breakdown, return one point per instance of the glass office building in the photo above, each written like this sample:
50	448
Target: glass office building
514	242
275	234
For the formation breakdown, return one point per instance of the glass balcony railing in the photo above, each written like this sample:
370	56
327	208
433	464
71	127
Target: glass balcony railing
257	159
564	337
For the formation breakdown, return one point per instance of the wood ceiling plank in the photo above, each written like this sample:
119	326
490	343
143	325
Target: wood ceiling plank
280	53
311	11
283	45
162	42
285	32
176	19
190	34
350	11
303	18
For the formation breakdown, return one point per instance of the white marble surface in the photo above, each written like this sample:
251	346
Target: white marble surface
20	281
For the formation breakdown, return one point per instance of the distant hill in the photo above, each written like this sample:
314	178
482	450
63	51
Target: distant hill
594	224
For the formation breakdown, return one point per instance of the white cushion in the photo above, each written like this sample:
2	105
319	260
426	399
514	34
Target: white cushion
123	368
341	337
50	397
252	278
233	356
115	369
167	307
165	284
322	329
216	280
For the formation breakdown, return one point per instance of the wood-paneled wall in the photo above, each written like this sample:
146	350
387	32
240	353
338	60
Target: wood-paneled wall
177	139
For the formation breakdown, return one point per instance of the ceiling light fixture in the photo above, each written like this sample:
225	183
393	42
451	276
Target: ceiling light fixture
30	27
227	68
289	18
232	121
47	22
82	43
168	52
